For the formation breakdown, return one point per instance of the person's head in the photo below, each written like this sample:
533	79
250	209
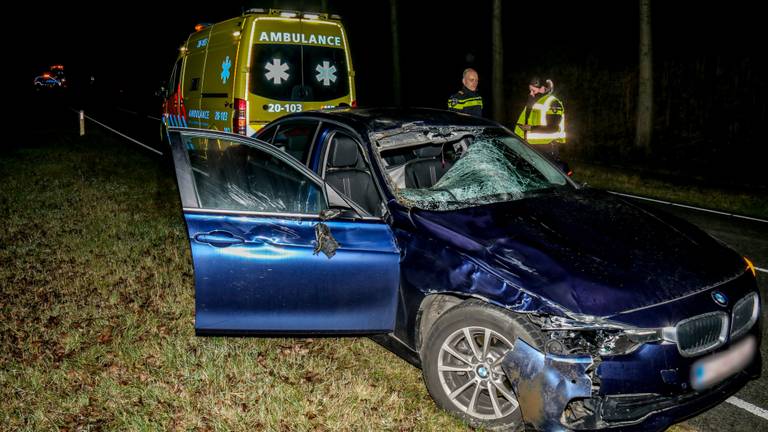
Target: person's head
470	79
537	86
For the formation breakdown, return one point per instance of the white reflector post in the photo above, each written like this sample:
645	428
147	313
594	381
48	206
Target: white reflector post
82	123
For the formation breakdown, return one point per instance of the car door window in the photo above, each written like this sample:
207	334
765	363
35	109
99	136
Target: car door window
348	172
267	134
229	175
295	138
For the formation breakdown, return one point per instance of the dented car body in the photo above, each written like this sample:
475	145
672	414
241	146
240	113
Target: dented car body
393	223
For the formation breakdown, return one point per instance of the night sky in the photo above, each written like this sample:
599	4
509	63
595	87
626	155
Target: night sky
709	87
134	46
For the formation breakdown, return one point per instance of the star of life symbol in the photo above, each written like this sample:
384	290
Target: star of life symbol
276	71
225	65
326	73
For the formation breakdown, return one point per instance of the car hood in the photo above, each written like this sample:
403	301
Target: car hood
589	251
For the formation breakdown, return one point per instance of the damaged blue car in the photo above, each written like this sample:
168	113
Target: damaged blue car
529	301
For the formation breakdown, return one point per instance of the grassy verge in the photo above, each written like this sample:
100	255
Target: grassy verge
97	315
745	202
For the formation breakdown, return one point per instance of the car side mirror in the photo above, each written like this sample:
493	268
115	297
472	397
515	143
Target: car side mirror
329	213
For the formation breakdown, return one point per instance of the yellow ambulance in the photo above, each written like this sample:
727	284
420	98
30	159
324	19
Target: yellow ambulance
240	74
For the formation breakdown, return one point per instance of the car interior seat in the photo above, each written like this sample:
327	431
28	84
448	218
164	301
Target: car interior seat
427	168
347	173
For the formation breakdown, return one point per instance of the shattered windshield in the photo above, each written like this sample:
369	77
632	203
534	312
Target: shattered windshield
490	166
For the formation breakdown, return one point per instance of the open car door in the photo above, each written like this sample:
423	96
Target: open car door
263	261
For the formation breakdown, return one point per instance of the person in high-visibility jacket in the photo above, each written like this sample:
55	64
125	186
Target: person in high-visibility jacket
542	121
467	100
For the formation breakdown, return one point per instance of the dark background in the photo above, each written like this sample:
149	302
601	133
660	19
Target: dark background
709	82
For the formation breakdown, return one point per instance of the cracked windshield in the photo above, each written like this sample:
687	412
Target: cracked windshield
464	170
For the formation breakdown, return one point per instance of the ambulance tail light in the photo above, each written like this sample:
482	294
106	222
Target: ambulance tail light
240	118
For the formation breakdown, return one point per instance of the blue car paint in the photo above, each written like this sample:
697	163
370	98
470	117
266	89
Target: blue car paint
317	150
641	371
575	251
578	248
545	384
261	285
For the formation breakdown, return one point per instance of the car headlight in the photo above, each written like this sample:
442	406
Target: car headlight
593	336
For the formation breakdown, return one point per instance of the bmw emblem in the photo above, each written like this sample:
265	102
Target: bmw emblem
720	298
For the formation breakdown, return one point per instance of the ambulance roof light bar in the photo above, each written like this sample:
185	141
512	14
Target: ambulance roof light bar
295	14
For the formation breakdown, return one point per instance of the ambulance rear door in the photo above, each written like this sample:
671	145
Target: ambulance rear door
217	101
192	78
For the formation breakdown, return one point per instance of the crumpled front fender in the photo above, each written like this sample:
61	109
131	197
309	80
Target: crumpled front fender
544	384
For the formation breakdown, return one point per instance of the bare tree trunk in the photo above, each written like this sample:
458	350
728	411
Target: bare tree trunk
645	82
324	6
497	86
395	53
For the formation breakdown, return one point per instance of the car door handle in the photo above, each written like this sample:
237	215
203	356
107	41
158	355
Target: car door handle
219	238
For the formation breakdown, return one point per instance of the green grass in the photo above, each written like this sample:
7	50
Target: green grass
745	202
97	316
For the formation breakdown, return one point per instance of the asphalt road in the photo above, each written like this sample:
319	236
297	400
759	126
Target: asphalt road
750	238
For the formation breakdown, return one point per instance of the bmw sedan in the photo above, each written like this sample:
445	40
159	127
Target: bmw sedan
528	301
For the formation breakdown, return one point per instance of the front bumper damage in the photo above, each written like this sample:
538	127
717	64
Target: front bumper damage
561	393
544	384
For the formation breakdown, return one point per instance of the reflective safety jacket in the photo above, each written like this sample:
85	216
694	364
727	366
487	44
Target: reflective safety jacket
467	102
547	119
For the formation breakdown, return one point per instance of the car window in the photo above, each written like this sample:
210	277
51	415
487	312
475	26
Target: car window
295	138
347	171
233	176
299	72
267	134
495	167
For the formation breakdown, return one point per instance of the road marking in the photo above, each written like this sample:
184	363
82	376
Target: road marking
761	269
690	207
123	135
125	110
753	409
135	113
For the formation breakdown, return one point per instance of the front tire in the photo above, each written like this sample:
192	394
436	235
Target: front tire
461	364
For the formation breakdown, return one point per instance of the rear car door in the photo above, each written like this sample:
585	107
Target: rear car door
251	213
